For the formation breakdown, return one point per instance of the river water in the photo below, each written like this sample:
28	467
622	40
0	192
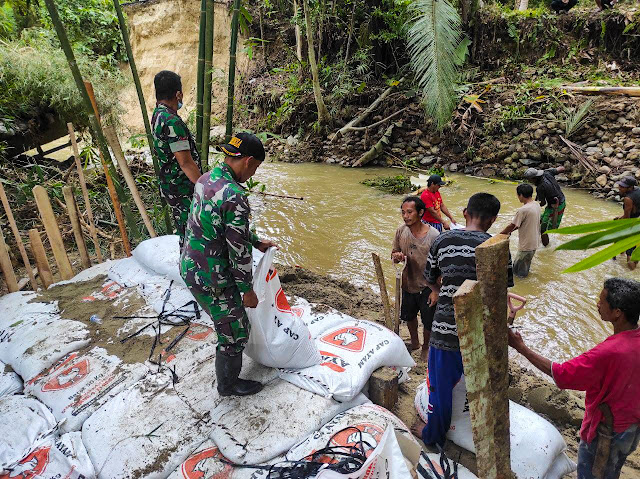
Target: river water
340	222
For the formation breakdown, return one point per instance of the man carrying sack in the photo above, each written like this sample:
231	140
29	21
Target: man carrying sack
216	258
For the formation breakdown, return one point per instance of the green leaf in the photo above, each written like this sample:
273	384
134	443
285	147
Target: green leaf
635	256
612	237
462	51
591	227
604	255
587	241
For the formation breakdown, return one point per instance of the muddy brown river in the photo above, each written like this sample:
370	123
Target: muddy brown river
340	222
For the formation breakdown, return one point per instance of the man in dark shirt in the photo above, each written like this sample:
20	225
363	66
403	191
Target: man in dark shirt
629	190
548	193
453	258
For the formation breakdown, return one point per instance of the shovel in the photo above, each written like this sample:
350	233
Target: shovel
513	309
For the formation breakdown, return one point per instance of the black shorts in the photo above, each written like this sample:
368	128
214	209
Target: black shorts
414	302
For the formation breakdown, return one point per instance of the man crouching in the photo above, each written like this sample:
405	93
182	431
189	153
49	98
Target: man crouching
216	256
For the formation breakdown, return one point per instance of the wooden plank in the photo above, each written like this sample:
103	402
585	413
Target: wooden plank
40	256
114	143
53	232
85	192
384	296
383	388
72	211
6	266
18	238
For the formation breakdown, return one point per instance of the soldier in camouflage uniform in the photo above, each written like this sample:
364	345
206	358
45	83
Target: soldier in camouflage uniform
178	157
216	257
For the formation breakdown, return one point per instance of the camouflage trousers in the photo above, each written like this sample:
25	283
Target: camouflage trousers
229	318
179	206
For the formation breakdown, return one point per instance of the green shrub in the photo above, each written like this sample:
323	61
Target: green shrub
399	184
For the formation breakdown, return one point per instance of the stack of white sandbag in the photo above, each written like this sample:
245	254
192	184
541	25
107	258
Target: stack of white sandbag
10	382
537	448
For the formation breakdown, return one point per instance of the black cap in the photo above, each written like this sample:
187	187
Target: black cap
435	180
244	144
627	182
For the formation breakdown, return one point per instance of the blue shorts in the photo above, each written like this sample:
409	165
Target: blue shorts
437	226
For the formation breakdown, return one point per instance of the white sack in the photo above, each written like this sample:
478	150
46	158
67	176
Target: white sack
317	322
89	273
10	382
23	422
80	383
560	467
278	338
56	458
254	429
340	432
350	354
17	308
161	255
147	430
463	472
535	442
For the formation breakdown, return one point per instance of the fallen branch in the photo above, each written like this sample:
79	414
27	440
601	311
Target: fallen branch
85	227
377	149
362	128
603	90
577	153
278	196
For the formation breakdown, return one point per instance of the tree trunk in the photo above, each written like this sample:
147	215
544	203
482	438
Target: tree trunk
524	4
206	94
323	113
200	72
264	48
232	69
298	34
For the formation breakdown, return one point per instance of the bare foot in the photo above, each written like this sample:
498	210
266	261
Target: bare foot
424	354
632	265
417	427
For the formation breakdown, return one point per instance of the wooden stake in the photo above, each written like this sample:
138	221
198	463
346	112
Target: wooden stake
114	143
384	296
72	211
206	94
40	256
16	235
110	186
6	266
85	192
53	232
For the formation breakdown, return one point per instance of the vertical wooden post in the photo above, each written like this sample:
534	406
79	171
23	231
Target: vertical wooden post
6	266
114	143
206	94
40	256
16	235
388	320
85	192
53	232
72	211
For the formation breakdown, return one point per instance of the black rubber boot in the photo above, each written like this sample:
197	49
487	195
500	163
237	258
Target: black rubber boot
227	372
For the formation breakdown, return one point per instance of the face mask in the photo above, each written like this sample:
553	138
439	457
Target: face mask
179	105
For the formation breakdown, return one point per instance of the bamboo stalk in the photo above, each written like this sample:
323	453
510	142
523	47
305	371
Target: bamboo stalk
603	90
206	96
6	266
40	256
143	105
200	72
232	69
16	235
384	296
112	138
110	186
72	211
53	232
85	192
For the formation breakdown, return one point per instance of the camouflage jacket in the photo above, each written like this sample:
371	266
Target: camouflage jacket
170	134
218	241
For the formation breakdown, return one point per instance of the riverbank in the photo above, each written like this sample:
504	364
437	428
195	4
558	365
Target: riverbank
565	409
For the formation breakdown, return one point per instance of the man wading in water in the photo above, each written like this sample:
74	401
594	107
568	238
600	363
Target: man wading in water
178	157
627	187
411	244
610	375
216	258
548	193
434	205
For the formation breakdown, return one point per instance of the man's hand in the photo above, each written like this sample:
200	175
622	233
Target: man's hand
250	299
433	298
398	257
265	245
516	341
446	225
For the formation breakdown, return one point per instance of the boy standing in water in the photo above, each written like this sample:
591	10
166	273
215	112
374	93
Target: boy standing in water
411	244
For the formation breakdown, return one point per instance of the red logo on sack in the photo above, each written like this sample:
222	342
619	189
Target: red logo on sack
31	466
199	332
351	339
195	467
272	273
297	311
367	434
282	304
333	362
109	290
67	377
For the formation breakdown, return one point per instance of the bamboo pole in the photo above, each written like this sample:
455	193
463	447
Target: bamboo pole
200	73
72	211
40	256
143	105
110	186
603	90
112	138
232	69
206	96
6	266
384	296
53	232
85	192
18	238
